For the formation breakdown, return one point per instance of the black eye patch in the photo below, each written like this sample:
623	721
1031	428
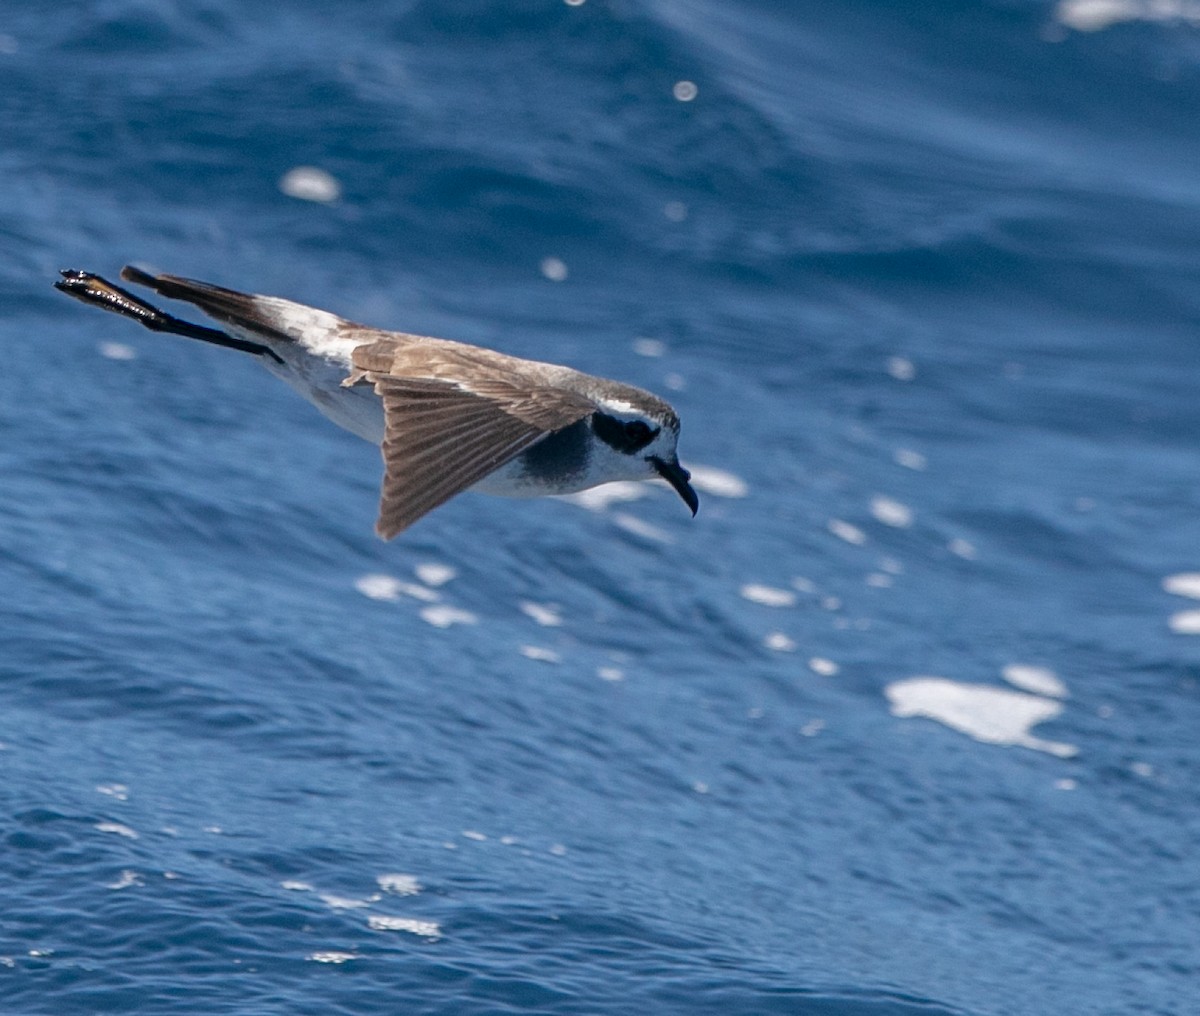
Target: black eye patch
623	436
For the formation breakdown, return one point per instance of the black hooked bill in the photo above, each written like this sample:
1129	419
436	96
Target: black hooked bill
678	478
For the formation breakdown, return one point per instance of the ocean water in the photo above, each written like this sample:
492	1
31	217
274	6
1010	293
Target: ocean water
904	722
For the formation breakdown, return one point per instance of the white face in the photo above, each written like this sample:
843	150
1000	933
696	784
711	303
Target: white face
627	442
621	444
632	445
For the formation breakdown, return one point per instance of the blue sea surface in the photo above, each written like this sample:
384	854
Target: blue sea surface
904	722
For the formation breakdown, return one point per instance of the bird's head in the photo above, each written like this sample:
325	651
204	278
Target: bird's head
640	432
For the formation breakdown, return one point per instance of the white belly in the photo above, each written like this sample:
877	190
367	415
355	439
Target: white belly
319	379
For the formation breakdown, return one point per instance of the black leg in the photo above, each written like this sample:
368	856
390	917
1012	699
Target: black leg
101	293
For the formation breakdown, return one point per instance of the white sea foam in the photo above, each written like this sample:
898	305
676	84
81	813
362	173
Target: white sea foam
545	614
378	587
117	351
1096	15
384	922
118	828
718	482
442	615
331	956
641	528
433	573
962	548
343	902
780	642
1037	680
540	653
554	269
598	498
387	588
847	531
901	369
986	713
308	183
125	880
1186	622
891	512
649	347
909	459
768	596
1183	584
685	91
824	667
400	884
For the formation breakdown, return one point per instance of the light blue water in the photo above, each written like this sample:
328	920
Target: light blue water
924	288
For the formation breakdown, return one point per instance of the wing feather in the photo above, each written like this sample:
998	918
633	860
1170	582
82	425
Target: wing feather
443	436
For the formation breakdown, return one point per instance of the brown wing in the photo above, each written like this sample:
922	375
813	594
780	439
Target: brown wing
442	437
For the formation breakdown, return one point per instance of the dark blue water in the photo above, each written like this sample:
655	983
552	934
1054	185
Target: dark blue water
922	283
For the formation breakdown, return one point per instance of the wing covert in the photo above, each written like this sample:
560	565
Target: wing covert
442	437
